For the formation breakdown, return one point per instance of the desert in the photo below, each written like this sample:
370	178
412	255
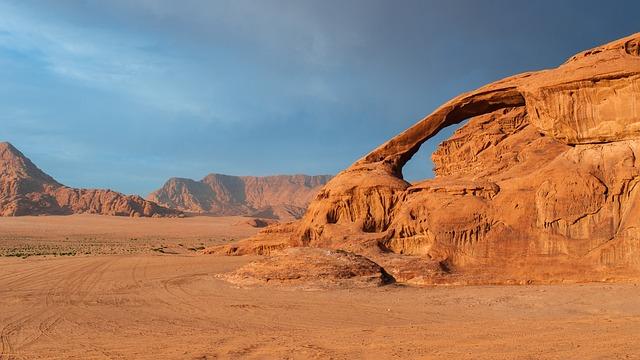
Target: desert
319	180
127	301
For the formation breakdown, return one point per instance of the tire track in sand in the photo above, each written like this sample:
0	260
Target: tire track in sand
60	297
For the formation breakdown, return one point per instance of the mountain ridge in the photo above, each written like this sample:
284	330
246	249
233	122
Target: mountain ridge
25	189
281	197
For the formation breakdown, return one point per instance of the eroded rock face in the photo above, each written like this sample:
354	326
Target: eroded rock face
541	184
283	197
27	190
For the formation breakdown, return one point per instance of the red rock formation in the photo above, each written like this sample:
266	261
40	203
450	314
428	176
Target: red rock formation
541	184
282	197
311	268
27	190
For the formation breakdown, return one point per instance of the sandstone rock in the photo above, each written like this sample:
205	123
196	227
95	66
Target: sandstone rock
311	269
27	190
282	197
259	223
269	240
541	184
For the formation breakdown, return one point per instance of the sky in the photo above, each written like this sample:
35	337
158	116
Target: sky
124	94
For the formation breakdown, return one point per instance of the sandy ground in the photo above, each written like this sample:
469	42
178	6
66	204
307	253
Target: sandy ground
94	234
153	305
173	307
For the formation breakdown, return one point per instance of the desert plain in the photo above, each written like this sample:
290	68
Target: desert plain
99	287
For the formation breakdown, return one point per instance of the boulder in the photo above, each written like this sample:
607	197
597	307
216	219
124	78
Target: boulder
311	268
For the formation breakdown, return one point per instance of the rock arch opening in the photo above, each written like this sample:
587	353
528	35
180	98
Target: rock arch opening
421	165
394	154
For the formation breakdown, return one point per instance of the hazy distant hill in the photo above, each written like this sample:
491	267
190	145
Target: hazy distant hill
277	197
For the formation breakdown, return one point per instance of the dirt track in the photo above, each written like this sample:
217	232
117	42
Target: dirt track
173	306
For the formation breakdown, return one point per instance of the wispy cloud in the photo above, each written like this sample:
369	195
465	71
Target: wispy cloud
103	89
99	58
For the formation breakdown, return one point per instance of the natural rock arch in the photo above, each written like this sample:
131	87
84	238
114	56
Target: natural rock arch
398	151
367	193
556	198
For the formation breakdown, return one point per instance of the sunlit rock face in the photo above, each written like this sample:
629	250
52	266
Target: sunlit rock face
599	103
540	184
592	111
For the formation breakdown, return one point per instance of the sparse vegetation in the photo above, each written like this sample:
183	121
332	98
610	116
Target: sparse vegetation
101	235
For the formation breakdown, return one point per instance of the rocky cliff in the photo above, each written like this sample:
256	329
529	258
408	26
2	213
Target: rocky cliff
539	184
282	197
27	190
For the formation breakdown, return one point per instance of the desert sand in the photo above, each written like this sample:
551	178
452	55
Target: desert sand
86	234
127	301
174	307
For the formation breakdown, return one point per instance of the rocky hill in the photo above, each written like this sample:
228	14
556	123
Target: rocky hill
282	197
27	190
540	184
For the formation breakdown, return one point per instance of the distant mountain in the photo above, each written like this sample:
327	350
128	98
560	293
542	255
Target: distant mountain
27	190
283	197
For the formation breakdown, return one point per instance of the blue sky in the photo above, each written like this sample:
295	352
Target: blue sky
124	94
